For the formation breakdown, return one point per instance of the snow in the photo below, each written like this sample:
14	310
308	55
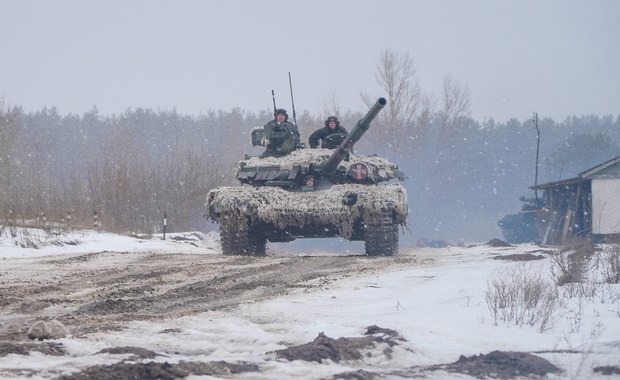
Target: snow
438	306
87	241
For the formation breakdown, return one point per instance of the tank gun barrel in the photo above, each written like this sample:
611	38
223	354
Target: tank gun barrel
357	132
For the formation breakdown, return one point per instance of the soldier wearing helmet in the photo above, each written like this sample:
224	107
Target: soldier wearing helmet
281	115
330	136
279	135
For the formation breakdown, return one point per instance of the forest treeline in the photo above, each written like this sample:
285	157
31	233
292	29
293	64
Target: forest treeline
130	168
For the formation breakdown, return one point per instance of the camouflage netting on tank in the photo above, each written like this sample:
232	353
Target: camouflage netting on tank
236	205
378	167
296	157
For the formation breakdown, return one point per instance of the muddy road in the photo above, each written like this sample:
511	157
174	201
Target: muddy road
102	291
94	296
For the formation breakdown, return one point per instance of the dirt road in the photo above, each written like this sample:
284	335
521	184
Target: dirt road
104	292
101	291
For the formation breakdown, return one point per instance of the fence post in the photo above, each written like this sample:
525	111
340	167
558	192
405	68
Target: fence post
95	221
165	219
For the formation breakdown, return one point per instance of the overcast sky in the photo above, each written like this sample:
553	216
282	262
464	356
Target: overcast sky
556	57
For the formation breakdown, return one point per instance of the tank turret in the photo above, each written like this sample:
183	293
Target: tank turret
324	165
356	133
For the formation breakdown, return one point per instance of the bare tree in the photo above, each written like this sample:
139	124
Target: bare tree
118	183
187	175
9	131
307	123
408	110
331	105
456	103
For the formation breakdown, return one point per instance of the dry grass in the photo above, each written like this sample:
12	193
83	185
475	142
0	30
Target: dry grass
570	261
611	264
580	273
520	295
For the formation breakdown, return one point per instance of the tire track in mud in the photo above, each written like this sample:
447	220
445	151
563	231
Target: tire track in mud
101	291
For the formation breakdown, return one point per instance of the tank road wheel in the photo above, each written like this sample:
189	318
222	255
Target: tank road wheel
395	231
258	243
241	242
381	236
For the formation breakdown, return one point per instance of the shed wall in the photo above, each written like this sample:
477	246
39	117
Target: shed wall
606	206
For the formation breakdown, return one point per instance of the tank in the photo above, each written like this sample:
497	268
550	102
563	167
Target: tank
523	226
313	193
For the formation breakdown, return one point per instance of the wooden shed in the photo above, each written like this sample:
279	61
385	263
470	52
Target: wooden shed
586	206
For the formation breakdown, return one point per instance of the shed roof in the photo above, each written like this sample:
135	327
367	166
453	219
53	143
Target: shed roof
599	168
585	175
562	182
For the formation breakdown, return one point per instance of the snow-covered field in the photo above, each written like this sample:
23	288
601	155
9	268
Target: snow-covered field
433	303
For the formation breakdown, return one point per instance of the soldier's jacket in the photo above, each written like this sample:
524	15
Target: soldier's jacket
321	134
282	137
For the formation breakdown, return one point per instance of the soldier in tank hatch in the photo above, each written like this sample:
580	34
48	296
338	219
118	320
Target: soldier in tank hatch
330	136
280	136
